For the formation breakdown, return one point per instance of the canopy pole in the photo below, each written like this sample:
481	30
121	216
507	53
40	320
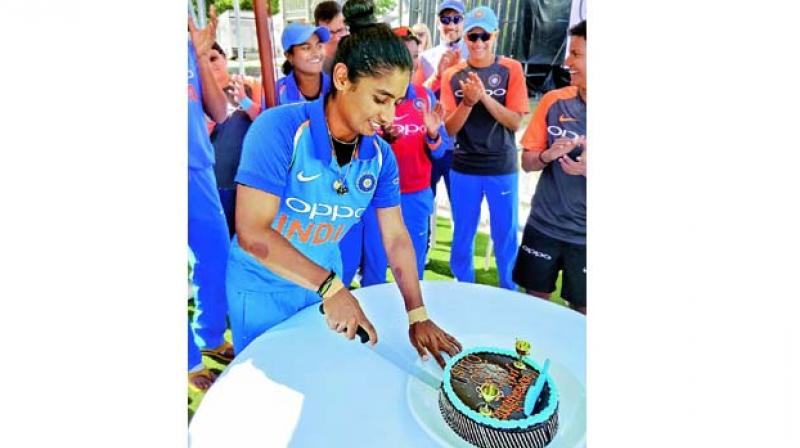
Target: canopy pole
265	52
201	6
240	55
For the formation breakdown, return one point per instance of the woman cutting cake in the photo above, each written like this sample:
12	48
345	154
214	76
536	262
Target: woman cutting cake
308	172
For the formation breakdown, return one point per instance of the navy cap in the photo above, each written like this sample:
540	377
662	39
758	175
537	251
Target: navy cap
456	5
482	17
297	33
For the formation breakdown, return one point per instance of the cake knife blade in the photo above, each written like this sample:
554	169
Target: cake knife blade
386	352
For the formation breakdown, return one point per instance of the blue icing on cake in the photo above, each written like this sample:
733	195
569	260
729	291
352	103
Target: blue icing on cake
508	426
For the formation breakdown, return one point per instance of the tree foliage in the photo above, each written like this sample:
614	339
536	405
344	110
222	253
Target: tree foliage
384	6
224	5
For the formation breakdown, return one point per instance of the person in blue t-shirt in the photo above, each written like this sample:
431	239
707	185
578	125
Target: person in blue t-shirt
304	80
208	231
308	171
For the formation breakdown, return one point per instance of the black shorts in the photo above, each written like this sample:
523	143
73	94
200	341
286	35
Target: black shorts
540	258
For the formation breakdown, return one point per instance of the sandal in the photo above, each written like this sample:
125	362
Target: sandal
201	380
223	353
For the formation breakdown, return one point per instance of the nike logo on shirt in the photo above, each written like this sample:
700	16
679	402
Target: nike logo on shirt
563	119
303	178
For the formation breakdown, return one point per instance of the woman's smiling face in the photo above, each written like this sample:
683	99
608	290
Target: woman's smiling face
370	102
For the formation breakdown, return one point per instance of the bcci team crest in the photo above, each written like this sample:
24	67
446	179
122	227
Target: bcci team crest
366	182
494	80
419	104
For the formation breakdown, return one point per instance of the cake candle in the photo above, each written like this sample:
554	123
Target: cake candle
533	394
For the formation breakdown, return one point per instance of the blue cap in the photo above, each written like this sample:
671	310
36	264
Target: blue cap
297	33
451	4
482	17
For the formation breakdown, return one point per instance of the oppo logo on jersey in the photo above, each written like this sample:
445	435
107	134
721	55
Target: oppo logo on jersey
558	132
320	209
408	129
495	92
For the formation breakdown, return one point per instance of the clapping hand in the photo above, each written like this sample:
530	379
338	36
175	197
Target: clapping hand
237	82
448	59
472	89
575	167
433	118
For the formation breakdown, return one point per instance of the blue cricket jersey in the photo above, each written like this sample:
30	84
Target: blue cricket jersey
288	153
287	91
201	152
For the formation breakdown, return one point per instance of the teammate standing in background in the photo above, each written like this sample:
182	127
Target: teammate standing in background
305	80
485	98
227	136
555	143
208	231
329	15
424	35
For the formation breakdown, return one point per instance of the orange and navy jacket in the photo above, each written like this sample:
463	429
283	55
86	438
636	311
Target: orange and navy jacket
485	147
558	208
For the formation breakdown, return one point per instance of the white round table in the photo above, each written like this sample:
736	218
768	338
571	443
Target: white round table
302	385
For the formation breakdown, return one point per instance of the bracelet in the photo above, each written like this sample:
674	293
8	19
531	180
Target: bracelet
324	290
246	103
541	159
336	286
418	314
432	141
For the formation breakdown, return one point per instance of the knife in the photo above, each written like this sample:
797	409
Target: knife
385	352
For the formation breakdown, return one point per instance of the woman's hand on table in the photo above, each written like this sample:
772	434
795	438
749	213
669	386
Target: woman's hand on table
427	337
344	315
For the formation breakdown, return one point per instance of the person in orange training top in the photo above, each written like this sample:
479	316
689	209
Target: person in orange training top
485	98
555	144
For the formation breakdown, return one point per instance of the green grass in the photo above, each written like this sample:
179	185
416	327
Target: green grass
437	269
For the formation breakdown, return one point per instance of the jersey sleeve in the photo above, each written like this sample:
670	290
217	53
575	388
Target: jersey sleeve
535	137
387	192
517	96
267	152
446	95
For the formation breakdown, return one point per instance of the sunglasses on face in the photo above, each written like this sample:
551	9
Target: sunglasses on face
446	20
484	36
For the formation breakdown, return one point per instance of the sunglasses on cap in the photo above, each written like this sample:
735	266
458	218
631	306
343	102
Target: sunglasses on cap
403	32
484	36
454	19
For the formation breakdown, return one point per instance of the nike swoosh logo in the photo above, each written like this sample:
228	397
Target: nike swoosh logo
564	119
302	178
503	193
400	117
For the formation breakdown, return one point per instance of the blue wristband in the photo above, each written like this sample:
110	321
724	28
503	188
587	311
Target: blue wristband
432	141
246	103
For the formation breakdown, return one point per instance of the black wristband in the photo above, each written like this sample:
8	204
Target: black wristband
541	159
326	284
